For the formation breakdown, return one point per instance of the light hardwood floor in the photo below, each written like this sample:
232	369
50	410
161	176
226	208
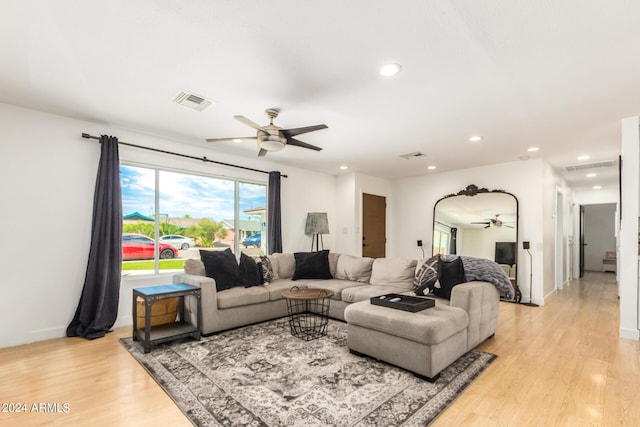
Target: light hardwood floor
562	364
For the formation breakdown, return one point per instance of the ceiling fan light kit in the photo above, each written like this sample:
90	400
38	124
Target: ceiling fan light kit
271	142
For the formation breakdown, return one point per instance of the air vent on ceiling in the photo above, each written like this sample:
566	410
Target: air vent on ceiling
414	155
594	165
192	100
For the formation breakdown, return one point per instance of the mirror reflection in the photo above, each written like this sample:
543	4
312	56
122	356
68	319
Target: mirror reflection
479	223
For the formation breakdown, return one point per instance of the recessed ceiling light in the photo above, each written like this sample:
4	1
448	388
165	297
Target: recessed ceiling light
389	70
597	187
476	138
524	157
236	140
343	167
432	167
583	158
591	175
533	149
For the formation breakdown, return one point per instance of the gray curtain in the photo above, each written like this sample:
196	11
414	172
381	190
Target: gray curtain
274	214
98	306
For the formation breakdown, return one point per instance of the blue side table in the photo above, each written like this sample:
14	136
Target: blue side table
152	335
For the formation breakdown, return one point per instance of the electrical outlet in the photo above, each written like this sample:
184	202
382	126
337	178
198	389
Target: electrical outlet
420	243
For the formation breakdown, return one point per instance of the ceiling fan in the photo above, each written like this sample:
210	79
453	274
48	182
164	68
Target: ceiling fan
271	137
493	222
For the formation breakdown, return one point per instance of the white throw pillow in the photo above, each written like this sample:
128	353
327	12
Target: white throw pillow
286	265
357	269
397	272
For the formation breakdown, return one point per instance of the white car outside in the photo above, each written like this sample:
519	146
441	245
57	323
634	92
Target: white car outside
180	242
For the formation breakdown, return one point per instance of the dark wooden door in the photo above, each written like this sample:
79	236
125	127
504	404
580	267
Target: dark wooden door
374	236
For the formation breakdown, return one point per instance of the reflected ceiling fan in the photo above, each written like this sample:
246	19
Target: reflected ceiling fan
272	137
493	222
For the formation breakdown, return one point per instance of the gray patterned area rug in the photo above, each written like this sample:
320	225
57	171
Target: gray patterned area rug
260	375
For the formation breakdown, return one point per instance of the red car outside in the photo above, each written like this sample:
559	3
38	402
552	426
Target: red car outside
138	246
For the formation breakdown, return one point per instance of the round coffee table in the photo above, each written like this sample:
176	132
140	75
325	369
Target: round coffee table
308	312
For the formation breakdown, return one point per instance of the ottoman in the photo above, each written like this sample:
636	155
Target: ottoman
424	342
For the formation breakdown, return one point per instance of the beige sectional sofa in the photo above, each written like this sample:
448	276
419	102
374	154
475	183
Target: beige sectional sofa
354	279
424	343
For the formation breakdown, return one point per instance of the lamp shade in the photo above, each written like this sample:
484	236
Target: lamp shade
317	223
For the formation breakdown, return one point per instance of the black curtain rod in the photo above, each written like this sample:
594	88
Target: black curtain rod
203	159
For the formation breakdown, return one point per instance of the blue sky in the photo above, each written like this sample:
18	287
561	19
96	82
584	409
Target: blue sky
182	194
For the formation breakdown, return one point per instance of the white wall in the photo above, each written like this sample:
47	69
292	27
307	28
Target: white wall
415	197
552	185
628	256
481	242
346	220
47	175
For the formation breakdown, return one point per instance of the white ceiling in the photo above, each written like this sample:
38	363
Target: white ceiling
559	75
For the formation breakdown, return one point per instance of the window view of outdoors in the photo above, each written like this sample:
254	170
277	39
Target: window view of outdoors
440	242
192	212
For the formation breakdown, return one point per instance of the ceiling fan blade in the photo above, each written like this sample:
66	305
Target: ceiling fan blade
230	138
480	223
247	122
292	141
297	131
262	152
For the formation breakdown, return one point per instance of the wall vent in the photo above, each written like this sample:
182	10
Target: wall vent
414	155
193	101
587	166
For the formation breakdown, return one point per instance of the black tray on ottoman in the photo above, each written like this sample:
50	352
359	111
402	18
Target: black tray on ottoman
406	303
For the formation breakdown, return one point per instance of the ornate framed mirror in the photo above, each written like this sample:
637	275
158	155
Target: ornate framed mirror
480	223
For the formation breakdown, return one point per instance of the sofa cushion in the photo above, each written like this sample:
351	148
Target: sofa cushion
357	269
194	266
337	286
426	276
450	274
286	265
361	293
312	265
267	269
430	326
333	263
250	271
222	267
277	287
396	272
240	296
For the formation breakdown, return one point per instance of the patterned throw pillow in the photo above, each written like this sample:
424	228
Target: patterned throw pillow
267	269
426	276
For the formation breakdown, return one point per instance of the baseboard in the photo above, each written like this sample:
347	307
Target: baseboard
34	336
123	321
630	334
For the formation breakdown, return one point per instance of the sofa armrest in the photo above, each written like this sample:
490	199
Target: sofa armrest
481	301
209	297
